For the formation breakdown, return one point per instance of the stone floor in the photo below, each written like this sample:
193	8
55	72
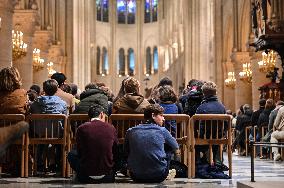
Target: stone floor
267	174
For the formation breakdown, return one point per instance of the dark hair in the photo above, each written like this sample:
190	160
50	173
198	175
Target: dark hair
36	88
91	85
121	91
165	81
59	77
74	89
262	102
66	88
167	93
50	87
32	94
95	110
152	109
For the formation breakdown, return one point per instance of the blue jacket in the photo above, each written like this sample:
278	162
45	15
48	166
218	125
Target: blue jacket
211	105
49	105
171	125
144	145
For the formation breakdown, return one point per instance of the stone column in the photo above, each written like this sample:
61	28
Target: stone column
229	93
55	55
25	21
42	40
6	15
258	79
243	91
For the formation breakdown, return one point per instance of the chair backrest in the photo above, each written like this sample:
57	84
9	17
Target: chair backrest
122	122
74	121
211	127
47	128
11	119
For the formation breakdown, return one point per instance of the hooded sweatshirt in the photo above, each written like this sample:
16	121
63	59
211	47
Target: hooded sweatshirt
130	104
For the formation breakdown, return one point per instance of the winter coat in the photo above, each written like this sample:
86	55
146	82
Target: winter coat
191	101
170	108
130	104
90	97
15	102
211	105
49	105
263	118
244	120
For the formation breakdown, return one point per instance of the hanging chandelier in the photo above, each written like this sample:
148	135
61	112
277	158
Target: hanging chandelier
19	47
268	61
231	80
50	69
246	74
37	61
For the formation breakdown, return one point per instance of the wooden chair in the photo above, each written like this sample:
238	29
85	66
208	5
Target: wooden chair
217	131
47	129
10	120
74	121
122	122
247	132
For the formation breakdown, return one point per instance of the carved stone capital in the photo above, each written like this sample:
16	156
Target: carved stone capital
7	5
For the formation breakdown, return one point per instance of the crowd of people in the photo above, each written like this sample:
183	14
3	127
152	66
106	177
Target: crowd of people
95	158
270	117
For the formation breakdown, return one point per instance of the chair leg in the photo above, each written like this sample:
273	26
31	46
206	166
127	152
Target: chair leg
193	162
230	160
26	155
63	161
23	157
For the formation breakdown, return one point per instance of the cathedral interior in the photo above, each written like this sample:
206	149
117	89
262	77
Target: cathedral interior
108	40
238	44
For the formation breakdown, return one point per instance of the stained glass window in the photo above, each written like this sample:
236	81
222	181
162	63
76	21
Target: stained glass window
105	62
131	62
102	10
121	59
148	61
155	59
126	10
151	11
98	61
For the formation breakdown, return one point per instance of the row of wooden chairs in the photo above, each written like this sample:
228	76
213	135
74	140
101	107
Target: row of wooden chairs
60	129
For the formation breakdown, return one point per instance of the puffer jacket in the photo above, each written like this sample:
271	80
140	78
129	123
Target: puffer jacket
49	105
130	104
90	97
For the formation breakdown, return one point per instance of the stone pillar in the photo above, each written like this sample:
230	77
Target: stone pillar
258	79
55	55
6	15
42	40
25	21
229	93
243	91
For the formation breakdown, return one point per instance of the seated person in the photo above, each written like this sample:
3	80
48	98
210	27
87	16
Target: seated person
148	160
48	104
96	155
278	134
